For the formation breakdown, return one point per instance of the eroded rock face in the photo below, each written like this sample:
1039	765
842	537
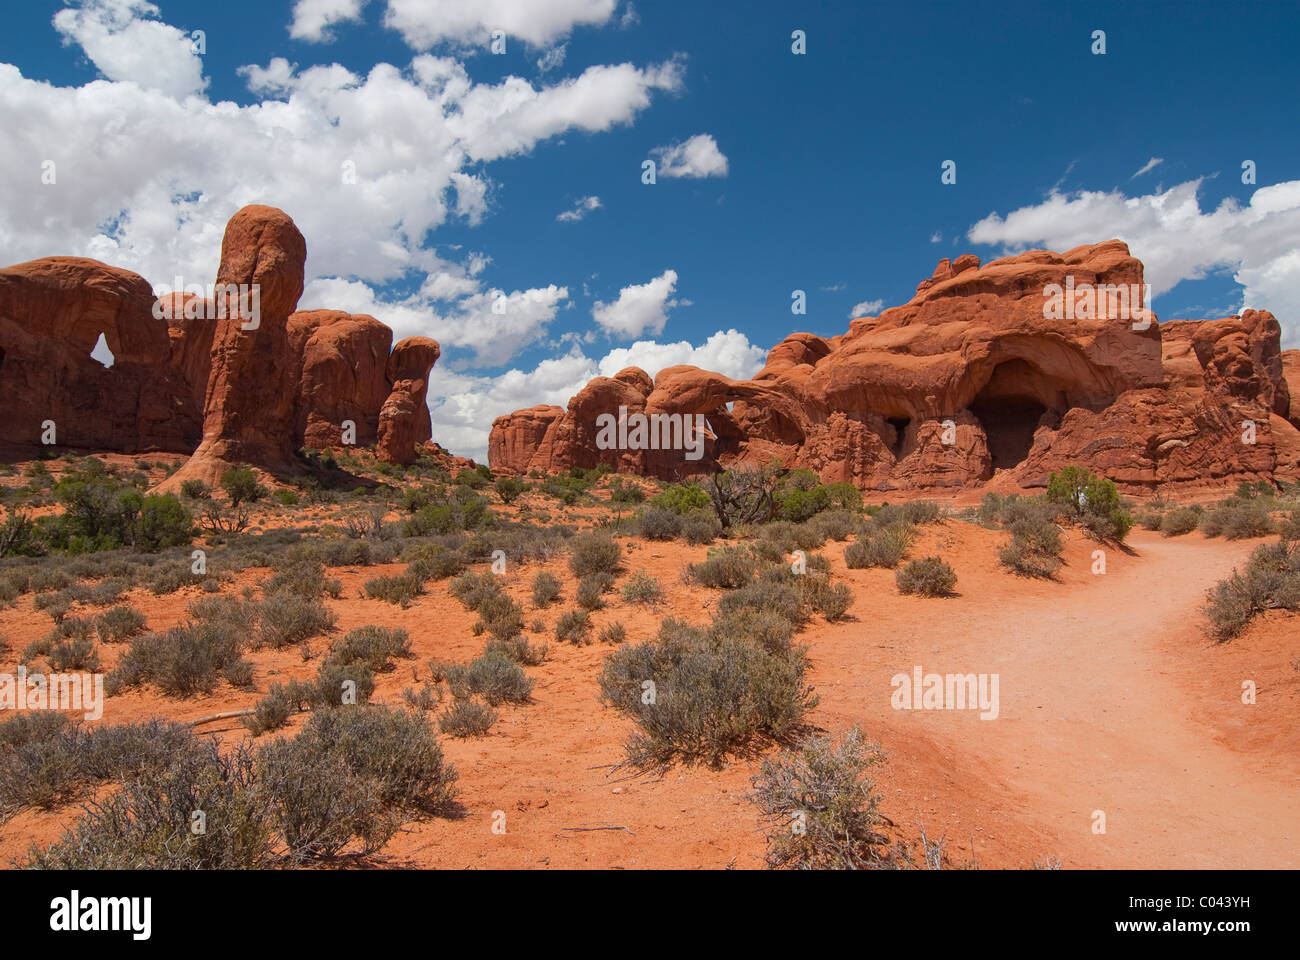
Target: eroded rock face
342	363
52	313
404	418
1019	366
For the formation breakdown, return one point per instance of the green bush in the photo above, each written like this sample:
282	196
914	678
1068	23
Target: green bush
797	505
929	576
509	489
147	823
1093	501
241	486
613	633
681	498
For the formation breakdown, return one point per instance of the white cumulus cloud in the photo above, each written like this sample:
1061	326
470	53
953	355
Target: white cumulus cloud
640	308
312	19
697	157
580	209
540	23
867	308
125	43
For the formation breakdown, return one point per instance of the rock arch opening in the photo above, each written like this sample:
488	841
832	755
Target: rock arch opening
1009	408
900	425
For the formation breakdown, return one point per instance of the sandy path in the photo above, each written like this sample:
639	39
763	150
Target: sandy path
1097	713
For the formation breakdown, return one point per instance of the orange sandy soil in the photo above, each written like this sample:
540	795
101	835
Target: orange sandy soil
1112	699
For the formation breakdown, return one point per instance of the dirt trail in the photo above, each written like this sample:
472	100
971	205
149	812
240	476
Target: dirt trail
1104	706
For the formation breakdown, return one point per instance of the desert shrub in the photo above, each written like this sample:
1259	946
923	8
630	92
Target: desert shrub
433	561
427	697
45	761
929	576
1179	521
509	489
546	589
172	577
725	568
501	616
620	492
681	498
714	695
1035	548
1271	581
834	524
1020	556
765	596
241	614
517	649
879	546
353	774
1149	519
656	523
494	677
1237	520
183	661
399	590
826	785
574	627
467	718
374	646
641	587
593	553
700	527
770	631
591	590
922	511
1289	526
146	824
613	633
74	652
241	486
832	601
472	589
286	618
302	575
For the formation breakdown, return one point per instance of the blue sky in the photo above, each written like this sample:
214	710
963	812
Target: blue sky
818	172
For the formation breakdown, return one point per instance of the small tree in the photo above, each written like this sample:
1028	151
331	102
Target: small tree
240	484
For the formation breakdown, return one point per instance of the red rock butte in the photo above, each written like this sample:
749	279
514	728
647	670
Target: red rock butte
197	377
969	381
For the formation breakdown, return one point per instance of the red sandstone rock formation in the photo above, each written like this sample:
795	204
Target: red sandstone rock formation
52	313
186	372
248	414
342	363
982	371
404	418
